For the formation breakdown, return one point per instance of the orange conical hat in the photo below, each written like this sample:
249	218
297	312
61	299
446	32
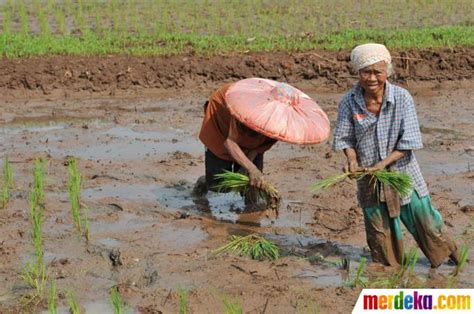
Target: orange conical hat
277	110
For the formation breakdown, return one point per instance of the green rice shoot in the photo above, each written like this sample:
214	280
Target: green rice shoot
73	304
399	181
183	300
232	306
464	254
74	189
229	181
52	306
407	269
359	280
254	246
7	182
116	301
34	273
37	196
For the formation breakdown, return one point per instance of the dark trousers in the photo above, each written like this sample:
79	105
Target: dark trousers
214	165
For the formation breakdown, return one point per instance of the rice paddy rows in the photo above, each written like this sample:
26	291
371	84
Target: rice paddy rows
38	27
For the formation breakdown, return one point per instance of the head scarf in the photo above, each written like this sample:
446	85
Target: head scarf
364	55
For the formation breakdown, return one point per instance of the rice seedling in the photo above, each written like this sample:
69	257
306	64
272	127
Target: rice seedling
42	19
60	20
239	183
74	189
359	280
52	306
24	18
73	304
464	254
254	246
37	207
407	269
7	19
183	300
38	183
232	306
7	182
35	275
399	181
116	301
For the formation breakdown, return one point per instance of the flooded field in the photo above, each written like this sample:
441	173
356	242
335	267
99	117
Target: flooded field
150	237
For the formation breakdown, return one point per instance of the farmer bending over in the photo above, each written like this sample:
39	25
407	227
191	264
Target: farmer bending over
243	120
377	127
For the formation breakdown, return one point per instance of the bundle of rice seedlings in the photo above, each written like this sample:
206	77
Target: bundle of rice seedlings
399	181
254	246
239	183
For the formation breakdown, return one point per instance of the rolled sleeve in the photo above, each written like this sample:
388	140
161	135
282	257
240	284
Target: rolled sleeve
410	135
344	134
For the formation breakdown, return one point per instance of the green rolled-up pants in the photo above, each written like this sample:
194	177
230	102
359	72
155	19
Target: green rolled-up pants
423	221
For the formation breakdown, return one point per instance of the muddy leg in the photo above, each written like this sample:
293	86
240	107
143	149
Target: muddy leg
426	225
384	235
200	187
214	165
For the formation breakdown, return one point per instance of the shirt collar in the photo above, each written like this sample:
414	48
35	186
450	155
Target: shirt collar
389	94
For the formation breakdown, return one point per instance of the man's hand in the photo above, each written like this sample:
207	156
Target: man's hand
256	178
378	166
351	166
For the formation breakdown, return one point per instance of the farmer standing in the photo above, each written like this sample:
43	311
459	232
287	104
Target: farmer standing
243	120
377	127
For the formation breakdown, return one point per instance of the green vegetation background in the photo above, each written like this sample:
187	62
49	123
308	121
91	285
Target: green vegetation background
160	27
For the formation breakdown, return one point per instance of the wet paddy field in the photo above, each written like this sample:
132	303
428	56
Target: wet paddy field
139	158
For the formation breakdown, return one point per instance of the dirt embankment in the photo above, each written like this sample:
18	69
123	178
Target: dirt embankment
110	75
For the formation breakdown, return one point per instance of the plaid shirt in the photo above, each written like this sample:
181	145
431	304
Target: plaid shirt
374	138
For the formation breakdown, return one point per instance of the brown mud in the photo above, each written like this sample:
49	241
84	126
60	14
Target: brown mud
64	76
139	155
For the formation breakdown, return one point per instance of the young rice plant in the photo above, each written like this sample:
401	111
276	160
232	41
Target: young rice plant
116	301
52	306
359	280
74	189
7	182
34	273
254	246
183	300
73	304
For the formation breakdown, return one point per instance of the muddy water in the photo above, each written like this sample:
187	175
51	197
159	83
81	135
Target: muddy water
138	171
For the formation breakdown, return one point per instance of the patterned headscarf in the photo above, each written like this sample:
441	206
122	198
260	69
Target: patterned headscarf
364	55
